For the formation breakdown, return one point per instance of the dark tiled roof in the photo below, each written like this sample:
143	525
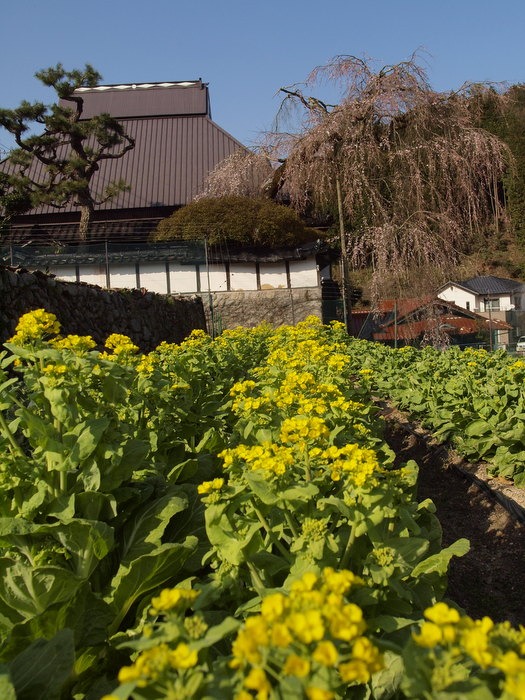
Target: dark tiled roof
491	285
185	252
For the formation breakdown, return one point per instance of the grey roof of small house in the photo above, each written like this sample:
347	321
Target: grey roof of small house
491	285
176	144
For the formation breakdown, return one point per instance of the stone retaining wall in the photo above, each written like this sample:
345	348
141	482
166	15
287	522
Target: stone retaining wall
84	309
274	306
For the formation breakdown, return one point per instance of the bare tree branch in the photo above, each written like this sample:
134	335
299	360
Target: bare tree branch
417	175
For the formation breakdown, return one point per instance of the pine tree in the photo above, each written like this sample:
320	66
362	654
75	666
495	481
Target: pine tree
69	150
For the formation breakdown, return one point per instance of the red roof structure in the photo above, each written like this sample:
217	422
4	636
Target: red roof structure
176	145
409	320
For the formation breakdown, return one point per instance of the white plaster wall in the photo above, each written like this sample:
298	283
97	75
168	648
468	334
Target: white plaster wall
243	277
68	273
122	276
273	275
505	302
458	296
303	273
216	276
93	274
183	278
153	277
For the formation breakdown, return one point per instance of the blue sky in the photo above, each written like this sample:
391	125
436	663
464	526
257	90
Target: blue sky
247	50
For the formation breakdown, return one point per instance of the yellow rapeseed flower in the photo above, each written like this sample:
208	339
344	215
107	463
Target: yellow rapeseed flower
313	693
326	653
257	680
429	635
183	657
301	428
150	664
54	370
35	325
171	599
475	641
442	614
340	581
209	486
120	345
347	623
307	626
281	635
77	343
296	666
355	671
273	606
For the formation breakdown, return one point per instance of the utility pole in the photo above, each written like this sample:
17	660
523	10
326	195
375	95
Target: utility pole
347	310
488	307
210	297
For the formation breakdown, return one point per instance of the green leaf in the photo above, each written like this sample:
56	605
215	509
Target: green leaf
143	532
39	430
478	428
93	505
390	623
300	493
211	442
438	563
410	549
146	574
7	689
87	543
59	403
247	430
214	634
233	543
262	488
386	682
27	591
190	522
113	389
83	440
42	669
85	614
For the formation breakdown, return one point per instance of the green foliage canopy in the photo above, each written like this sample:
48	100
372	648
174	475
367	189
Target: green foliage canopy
504	116
12	202
236	219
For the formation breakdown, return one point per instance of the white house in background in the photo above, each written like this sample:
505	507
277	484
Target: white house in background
480	294
497	297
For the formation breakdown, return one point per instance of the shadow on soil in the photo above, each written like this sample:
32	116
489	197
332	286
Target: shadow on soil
490	579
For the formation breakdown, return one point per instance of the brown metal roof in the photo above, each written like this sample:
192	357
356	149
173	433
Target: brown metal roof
173	152
145	99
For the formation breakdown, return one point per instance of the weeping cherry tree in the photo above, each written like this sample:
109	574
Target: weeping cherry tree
411	175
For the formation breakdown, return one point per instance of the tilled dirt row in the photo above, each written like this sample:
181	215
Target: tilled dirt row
490	579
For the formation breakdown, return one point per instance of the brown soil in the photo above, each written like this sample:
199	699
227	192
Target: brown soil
490	579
